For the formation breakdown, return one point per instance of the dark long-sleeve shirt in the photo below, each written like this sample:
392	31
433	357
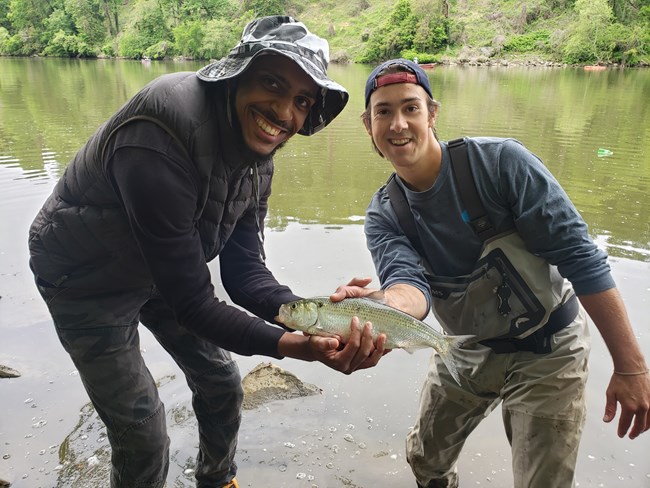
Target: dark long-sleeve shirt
158	187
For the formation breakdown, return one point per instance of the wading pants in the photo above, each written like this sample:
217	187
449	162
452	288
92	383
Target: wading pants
100	332
543	409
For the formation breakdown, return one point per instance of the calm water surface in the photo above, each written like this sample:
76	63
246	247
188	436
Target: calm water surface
49	107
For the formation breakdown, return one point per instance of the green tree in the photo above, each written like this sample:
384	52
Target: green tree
111	9
26	18
188	39
590	39
4	10
89	20
220	35
265	7
395	35
147	29
59	20
25	14
430	33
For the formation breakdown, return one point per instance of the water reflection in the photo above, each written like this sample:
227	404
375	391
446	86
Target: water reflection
50	107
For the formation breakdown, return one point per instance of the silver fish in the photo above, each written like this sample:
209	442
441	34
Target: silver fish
320	316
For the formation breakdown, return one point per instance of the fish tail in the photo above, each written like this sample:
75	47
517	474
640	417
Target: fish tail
454	342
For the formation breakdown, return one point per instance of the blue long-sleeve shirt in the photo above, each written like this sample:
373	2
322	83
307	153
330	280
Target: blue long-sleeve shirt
517	191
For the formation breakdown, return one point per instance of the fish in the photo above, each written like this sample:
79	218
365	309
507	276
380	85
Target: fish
320	316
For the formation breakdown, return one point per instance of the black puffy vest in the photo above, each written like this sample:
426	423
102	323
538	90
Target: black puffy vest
81	236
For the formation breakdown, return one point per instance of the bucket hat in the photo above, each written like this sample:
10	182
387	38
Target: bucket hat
285	36
417	76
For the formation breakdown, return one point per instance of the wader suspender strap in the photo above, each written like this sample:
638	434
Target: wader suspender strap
474	213
404	215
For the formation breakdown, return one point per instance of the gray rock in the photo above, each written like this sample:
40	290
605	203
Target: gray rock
268	382
7	372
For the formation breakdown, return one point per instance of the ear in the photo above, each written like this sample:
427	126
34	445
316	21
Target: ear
432	118
367	124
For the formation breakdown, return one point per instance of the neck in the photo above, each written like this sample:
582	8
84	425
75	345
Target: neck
422	175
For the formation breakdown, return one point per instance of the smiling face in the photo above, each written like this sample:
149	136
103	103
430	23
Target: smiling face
400	123
272	102
400	118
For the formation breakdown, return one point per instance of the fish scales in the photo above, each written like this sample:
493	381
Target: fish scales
321	316
402	330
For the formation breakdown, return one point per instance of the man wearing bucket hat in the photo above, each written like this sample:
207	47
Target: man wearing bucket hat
179	175
479	231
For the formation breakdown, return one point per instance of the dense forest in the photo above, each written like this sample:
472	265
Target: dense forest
363	31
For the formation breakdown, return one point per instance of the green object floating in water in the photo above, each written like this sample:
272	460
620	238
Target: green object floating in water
604	152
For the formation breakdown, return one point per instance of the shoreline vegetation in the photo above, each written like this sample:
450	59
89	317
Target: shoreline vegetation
471	60
473	32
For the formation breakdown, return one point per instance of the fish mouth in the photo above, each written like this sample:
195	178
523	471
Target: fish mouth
283	314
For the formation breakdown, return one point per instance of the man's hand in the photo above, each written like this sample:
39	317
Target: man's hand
360	351
356	288
633	393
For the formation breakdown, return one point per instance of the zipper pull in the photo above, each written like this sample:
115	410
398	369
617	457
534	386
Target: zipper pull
503	292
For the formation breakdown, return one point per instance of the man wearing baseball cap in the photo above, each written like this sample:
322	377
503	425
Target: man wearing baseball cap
179	175
478	231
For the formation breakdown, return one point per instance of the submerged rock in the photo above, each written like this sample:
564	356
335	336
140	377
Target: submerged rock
7	372
268	382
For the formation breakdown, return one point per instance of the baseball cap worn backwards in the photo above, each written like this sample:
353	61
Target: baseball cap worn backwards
287	37
415	74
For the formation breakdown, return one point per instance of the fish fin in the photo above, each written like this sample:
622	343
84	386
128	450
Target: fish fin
411	350
448	359
454	342
460	341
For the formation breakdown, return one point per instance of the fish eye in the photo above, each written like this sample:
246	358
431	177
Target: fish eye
293	306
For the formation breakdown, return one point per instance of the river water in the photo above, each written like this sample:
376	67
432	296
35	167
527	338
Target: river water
352	434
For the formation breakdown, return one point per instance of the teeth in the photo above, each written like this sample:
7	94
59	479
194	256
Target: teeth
270	130
400	142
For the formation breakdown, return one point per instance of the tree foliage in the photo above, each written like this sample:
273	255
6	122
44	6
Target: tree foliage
591	38
586	31
407	32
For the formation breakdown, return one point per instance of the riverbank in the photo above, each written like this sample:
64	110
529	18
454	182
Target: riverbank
482	57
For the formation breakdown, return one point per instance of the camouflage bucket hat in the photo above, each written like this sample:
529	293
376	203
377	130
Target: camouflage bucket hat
284	35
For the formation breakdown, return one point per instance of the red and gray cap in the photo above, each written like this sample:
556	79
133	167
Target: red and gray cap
285	36
413	74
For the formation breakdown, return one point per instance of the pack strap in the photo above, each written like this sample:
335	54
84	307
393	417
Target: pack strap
404	214
475	212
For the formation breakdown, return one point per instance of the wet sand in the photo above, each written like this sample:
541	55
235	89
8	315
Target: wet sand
351	435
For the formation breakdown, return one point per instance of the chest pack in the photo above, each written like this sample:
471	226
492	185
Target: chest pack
512	300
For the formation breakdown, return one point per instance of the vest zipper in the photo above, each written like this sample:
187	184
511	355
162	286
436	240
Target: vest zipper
255	177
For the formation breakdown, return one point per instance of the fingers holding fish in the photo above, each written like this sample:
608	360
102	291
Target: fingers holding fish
379	351
356	288
360	351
